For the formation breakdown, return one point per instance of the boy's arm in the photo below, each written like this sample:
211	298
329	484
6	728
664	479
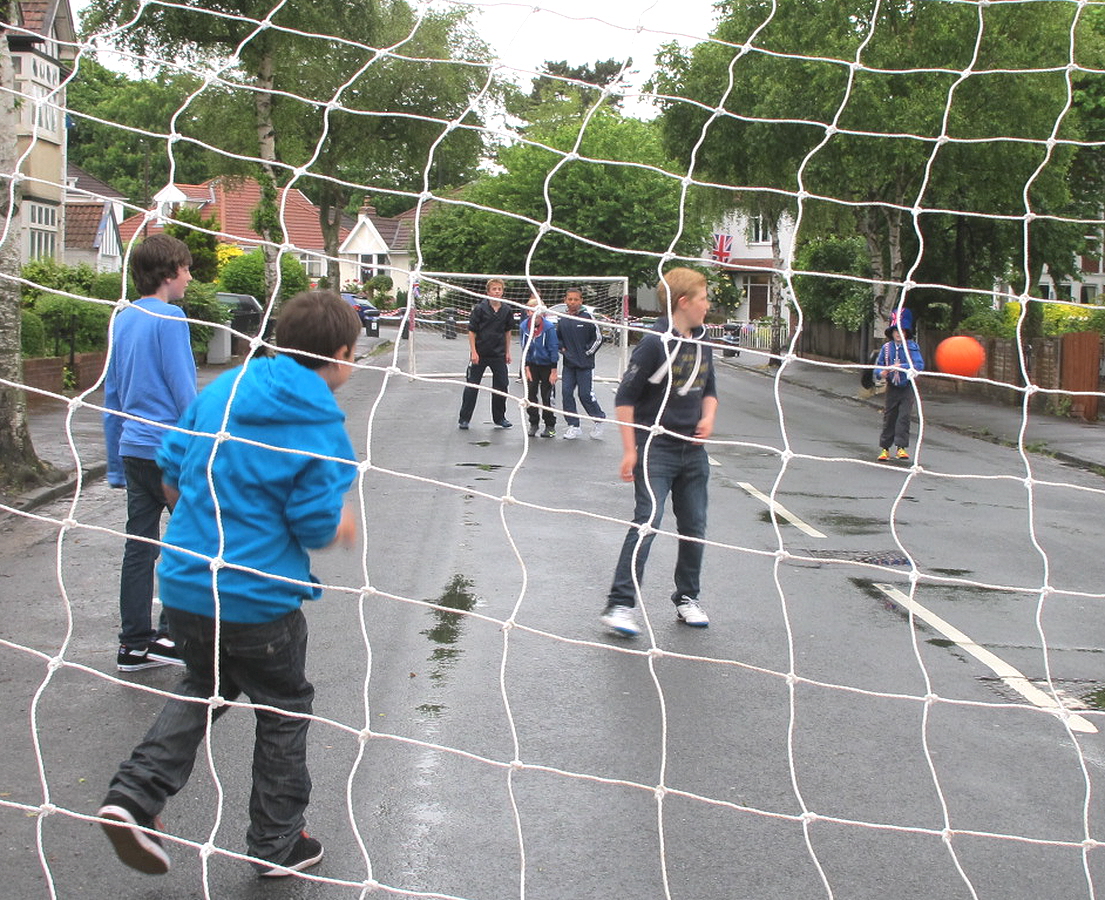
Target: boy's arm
314	510
506	342
705	425
178	362
624	415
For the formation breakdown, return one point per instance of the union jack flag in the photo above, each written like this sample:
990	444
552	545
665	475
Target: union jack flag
723	247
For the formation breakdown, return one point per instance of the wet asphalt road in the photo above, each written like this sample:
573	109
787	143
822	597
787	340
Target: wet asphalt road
597	724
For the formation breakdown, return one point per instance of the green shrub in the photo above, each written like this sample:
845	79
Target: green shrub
48	274
109	286
245	274
33	334
70	324
199	303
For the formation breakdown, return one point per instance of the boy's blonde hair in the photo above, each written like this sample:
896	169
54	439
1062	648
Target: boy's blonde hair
680	282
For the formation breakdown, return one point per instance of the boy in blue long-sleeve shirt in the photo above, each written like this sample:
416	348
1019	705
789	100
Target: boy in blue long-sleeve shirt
279	481
896	359
151	377
541	353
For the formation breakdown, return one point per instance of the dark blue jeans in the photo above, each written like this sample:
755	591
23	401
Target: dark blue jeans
145	504
265	662
679	468
573	379
500	381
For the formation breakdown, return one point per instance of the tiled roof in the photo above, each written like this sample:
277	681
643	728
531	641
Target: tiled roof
35	13
91	185
232	201
82	224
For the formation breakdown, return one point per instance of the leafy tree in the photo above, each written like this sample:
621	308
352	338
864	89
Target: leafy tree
791	72
842	301
133	163
202	245
613	206
561	92
245	274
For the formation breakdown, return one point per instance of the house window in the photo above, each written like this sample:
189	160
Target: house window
372	264
758	232
43	231
1090	293
315	265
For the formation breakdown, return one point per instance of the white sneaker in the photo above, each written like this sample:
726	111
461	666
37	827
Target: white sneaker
620	620
572	432
690	613
596	431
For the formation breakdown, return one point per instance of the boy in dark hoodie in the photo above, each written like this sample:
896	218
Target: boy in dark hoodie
898	356
669	382
273	506
541	353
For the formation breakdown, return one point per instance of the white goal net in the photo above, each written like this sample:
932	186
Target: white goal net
900	691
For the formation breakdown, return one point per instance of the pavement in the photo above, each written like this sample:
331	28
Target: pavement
58	429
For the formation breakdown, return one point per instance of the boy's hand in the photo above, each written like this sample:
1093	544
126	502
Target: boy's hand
475	358
529	374
704	428
346	535
629	463
552	376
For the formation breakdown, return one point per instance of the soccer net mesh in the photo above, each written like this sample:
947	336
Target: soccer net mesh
899	691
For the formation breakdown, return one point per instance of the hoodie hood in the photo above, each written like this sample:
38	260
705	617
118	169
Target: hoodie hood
276	390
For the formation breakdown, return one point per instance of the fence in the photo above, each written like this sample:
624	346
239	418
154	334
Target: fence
48	373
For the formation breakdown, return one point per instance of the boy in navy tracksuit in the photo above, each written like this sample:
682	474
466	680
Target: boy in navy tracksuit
580	339
279	480
540	353
151	377
670	382
896	359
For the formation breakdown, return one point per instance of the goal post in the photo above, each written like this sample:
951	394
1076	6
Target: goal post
444	300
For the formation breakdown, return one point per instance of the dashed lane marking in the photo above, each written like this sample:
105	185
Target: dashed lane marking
1000	667
781	511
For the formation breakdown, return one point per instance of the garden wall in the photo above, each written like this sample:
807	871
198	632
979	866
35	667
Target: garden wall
47	373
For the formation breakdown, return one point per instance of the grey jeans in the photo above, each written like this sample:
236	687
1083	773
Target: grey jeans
265	662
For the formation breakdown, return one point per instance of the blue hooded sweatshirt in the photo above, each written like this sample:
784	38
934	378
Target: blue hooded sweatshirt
274	506
151	375
541	348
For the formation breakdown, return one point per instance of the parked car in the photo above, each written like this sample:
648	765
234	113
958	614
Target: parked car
368	314
245	314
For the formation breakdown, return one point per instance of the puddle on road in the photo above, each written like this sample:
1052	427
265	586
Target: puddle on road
445	632
483	467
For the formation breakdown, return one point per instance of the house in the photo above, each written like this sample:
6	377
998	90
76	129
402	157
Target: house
742	249
232	200
93	210
379	245
42	43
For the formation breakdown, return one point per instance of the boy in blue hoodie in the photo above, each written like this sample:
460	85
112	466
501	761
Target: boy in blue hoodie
151	377
669	382
272	507
541	353
898	356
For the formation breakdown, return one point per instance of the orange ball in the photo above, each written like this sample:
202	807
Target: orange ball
960	355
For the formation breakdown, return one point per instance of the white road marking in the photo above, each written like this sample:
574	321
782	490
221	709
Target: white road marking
1000	667
781	511
712	461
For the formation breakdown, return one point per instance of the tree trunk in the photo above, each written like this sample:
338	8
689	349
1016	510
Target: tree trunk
268	217
20	466
330	206
775	295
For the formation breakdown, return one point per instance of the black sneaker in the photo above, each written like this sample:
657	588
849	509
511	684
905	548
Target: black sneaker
504	423
305	853
549	432
163	650
130	660
463	426
141	850
532	429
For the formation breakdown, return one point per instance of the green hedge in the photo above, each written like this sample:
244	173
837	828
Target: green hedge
71	324
33	334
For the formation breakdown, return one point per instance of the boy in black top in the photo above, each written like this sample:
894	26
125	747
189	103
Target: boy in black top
489	328
669	382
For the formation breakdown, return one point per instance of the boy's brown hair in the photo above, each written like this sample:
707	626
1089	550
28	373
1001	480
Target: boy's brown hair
158	257
680	282
318	322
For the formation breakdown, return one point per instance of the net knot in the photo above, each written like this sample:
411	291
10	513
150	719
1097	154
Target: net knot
508	625
655	653
1032	389
68	522
517	765
215	701
645	529
544	228
54	663
221	437
914	575
786	456
782	554
946	835
809	817
47	809
364	735
217	563
931	698
791	679
831	129
659	792
207	850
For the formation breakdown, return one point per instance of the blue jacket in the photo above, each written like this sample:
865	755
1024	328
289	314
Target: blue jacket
152	375
542	350
657	360
894	353
274	506
580	339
